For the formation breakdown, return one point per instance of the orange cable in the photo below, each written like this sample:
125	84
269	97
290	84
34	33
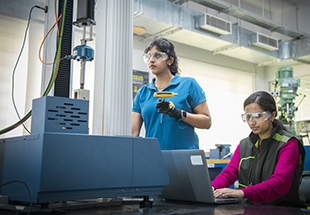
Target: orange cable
45	39
57	22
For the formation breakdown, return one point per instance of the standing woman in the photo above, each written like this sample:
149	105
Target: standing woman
269	162
175	129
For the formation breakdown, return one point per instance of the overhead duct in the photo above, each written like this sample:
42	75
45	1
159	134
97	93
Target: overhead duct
224	7
184	25
265	42
214	24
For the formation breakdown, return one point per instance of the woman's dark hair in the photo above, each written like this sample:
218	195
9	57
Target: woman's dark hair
164	45
266	102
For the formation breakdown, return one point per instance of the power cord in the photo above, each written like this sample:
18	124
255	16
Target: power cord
45	9
52	80
18	58
20	181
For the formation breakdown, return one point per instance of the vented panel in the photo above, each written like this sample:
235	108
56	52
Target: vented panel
66	116
214	24
218	23
267	40
57	114
264	42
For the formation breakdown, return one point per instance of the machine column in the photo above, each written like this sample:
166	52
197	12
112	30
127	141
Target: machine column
113	67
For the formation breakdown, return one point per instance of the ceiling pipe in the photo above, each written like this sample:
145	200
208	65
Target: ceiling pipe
250	17
178	18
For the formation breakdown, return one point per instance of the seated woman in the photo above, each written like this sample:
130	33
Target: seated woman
268	163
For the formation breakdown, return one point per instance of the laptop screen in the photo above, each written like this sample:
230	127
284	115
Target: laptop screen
188	176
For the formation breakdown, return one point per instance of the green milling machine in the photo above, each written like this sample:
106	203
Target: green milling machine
285	92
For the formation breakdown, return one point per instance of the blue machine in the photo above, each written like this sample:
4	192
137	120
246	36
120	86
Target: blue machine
60	162
83	52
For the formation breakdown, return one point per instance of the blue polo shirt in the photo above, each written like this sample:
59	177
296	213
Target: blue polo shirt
171	133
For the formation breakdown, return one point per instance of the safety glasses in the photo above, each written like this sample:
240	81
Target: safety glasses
158	56
255	117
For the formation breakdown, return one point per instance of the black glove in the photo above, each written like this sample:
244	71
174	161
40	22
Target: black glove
169	109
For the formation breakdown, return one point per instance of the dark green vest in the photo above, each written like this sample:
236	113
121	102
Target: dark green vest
257	167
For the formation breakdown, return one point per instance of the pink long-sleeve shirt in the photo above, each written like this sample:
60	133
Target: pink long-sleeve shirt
279	183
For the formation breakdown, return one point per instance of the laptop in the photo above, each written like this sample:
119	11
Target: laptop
189	178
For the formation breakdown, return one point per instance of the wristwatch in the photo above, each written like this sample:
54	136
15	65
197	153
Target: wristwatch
183	114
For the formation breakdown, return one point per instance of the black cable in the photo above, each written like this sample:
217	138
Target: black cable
20	181
45	9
